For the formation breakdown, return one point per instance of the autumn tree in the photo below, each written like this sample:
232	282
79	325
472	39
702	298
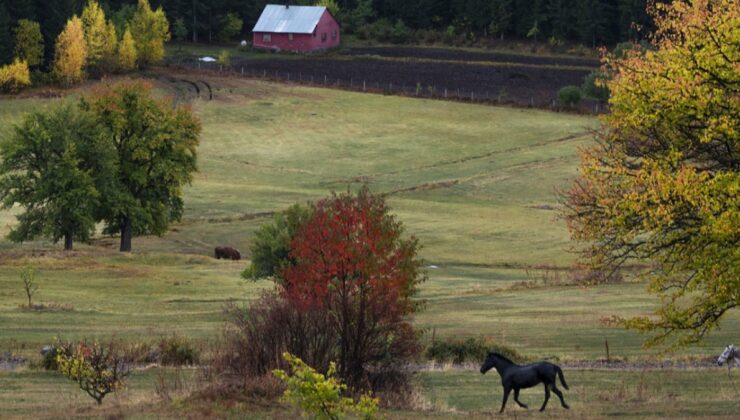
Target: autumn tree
127	52
14	77
662	185
352	262
48	168
100	38
29	43
150	30
71	53
155	156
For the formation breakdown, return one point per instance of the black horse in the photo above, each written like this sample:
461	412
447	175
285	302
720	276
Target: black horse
518	377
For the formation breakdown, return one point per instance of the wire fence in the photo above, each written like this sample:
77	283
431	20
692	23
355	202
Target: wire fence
420	90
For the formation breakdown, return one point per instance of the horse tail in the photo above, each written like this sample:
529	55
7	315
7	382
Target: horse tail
562	378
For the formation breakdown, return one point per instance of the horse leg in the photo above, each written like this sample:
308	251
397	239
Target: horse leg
560	395
516	398
506	397
547	397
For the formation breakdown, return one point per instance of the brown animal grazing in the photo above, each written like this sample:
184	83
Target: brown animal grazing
227	253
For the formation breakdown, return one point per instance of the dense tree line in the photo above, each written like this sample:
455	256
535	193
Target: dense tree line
592	22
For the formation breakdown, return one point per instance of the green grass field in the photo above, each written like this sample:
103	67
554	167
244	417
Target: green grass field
476	184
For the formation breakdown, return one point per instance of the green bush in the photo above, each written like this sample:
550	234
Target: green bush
320	396
51	352
178	350
569	95
470	350
593	86
400	33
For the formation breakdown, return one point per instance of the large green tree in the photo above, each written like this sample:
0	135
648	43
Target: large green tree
155	147
48	168
662	186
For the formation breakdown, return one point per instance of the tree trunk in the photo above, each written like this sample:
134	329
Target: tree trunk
67	241
195	23
126	234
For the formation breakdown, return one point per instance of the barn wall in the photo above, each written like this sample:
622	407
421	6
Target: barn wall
303	42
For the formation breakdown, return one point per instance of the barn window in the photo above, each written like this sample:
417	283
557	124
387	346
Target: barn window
266	38
334	35
323	36
290	37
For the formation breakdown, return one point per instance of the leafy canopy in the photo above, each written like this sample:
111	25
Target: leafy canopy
155	147
48	168
662	186
352	261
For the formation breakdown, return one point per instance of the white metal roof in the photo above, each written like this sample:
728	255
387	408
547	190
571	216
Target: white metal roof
292	19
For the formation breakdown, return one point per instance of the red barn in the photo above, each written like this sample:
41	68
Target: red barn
296	28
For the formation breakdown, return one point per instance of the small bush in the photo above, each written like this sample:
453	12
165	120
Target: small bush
178	350
14	77
320	396
224	58
470	350
98	370
569	95
51	352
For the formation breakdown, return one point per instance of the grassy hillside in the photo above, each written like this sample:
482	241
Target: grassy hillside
475	183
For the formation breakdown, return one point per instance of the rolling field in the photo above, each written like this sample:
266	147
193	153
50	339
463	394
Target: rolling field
475	183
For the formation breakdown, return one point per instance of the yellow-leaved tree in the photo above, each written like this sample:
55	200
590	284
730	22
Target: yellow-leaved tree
100	38
14	77
150	30
70	54
662	185
127	52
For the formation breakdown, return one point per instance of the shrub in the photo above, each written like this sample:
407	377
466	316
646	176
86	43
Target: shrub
320	396
400	33
336	299
51	352
594	86
98	370
569	95
14	77
271	246
470	350
178	350
224	58
258	335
